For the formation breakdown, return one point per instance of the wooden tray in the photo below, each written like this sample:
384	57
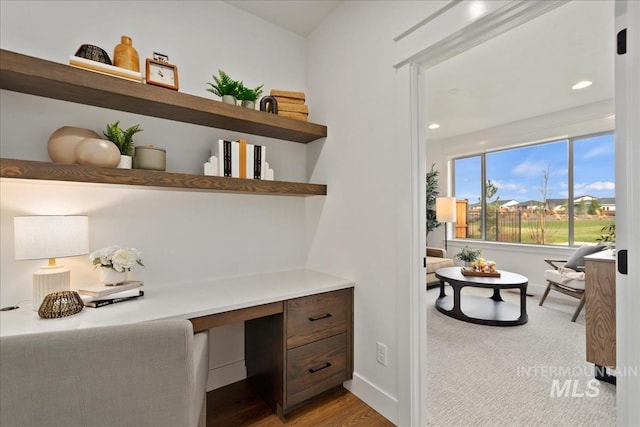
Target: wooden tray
469	272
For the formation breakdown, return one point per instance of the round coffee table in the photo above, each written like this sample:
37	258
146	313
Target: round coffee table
493	310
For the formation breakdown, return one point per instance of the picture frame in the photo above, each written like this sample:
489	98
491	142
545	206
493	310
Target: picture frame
161	73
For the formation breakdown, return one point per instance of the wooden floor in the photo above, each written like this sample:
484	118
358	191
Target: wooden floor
239	405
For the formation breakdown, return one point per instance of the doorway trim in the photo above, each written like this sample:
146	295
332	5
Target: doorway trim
484	28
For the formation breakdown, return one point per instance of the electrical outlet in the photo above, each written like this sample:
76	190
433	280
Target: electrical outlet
381	353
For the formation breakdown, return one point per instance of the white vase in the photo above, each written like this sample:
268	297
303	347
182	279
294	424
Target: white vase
110	277
125	162
229	99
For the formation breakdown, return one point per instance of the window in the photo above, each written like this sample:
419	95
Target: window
522	195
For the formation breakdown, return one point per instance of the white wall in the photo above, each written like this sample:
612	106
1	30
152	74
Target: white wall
183	235
361	230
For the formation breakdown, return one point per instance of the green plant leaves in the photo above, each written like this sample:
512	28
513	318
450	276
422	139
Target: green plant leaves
122	139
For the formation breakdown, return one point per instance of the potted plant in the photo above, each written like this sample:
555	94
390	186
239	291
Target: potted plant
248	96
123	139
608	236
432	194
225	87
468	255
115	263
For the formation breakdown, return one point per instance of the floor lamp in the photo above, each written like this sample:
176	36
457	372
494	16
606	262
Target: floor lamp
445	213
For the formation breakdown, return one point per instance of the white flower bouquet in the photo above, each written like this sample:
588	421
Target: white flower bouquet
117	258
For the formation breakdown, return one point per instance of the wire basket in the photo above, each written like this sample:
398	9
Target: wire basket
60	304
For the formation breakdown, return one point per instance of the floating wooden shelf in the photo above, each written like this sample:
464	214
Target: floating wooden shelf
26	74
27	169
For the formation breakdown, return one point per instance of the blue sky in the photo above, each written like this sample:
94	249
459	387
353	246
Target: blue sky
518	173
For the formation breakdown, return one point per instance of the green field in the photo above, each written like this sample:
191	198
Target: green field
556	230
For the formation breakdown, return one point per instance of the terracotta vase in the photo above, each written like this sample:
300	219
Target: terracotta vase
125	56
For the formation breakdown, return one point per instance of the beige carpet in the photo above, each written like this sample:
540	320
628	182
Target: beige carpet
529	375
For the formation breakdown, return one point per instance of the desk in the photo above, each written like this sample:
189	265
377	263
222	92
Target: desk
269	304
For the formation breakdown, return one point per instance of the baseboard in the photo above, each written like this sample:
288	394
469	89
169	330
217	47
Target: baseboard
373	396
225	375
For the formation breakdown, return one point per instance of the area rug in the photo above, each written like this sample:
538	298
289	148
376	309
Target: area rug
529	375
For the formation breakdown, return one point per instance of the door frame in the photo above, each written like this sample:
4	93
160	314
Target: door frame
491	25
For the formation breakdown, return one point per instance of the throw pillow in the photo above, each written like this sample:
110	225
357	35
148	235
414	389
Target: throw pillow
577	259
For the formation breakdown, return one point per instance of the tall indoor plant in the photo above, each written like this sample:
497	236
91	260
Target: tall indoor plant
432	194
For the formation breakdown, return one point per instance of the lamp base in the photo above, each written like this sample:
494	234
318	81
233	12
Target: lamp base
48	280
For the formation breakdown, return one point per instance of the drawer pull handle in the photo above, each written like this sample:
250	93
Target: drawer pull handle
314	370
322	316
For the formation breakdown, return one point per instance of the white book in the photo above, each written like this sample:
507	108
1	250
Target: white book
249	166
224	158
101	291
235	159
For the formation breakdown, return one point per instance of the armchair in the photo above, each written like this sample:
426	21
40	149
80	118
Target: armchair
436	258
567	276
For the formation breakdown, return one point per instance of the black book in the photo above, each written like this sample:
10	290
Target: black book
103	302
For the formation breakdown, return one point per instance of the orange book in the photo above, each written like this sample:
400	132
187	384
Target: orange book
243	158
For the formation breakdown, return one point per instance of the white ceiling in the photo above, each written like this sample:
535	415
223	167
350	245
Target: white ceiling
523	73
298	16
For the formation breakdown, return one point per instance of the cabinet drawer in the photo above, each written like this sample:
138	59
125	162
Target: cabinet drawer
316	367
316	317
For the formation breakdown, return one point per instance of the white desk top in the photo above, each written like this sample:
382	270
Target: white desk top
185	301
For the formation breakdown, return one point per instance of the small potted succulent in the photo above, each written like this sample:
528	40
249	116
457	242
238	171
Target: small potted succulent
248	96
123	139
468	255
225	87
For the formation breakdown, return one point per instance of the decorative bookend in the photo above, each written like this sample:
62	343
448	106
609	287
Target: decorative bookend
60	304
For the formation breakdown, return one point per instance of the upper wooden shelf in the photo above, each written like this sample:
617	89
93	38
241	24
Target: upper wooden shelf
26	74
28	169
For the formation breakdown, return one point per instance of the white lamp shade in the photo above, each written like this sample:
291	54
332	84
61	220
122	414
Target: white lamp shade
446	209
51	236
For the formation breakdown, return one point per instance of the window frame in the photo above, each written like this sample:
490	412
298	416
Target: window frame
570	140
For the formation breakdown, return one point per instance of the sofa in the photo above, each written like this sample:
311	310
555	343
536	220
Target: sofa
436	258
144	374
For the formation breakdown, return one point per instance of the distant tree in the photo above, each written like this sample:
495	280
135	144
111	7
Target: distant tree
538	230
595	207
581	209
492	202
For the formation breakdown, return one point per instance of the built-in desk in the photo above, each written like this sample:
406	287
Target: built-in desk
298	325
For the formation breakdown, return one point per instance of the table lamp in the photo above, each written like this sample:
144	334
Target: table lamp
445	212
50	236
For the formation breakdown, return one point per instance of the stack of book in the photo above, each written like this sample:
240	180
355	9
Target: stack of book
291	104
99	296
238	159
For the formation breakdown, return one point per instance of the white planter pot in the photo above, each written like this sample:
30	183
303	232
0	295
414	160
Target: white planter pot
110	277
229	99
125	162
248	104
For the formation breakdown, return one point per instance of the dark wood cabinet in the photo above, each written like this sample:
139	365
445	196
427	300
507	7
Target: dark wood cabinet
308	349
